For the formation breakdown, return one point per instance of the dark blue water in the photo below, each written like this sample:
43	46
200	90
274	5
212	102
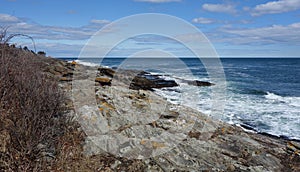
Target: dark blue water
262	93
258	76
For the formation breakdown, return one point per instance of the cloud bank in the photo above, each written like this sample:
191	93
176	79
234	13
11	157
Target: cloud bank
37	31
274	7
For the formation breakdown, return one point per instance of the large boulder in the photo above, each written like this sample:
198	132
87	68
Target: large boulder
148	83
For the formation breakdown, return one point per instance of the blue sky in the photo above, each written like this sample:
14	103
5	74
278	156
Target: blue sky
245	28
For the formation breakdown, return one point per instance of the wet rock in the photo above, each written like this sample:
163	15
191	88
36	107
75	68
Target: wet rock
199	83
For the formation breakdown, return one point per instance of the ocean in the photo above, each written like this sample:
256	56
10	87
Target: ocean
262	93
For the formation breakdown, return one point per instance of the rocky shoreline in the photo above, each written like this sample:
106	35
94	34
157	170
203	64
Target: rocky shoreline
134	114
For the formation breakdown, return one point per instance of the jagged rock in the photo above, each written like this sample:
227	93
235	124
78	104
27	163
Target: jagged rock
139	124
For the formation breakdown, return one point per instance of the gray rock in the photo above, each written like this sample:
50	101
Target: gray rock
138	124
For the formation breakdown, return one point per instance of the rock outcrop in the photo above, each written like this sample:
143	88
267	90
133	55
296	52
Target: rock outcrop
135	123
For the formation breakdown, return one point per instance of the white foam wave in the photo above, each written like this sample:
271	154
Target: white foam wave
273	114
293	101
273	96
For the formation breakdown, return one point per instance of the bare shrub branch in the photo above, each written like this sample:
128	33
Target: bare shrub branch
5	38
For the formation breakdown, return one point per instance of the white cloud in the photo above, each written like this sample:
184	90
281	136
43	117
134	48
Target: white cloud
275	34
157	1
8	18
202	20
219	8
274	7
37	31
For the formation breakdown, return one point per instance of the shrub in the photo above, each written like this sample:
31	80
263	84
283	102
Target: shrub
31	118
41	53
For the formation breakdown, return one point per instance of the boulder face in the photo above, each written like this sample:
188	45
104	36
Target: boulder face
135	123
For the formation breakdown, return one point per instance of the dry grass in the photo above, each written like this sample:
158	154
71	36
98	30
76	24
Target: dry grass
35	133
30	112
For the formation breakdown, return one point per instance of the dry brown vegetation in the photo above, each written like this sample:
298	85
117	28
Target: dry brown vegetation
31	118
35	132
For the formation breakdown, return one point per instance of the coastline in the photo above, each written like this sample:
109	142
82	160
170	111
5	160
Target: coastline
194	82
127	127
224	140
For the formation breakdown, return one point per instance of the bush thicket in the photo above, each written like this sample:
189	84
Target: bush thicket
32	124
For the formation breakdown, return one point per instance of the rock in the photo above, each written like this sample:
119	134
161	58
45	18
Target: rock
65	79
172	114
54	72
294	147
295	144
103	81
149	82
74	63
59	68
137	123
195	135
106	71
115	164
196	82
230	167
68	74
199	83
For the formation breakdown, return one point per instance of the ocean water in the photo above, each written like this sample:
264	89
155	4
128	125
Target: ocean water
261	93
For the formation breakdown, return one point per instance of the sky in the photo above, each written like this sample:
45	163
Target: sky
240	28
